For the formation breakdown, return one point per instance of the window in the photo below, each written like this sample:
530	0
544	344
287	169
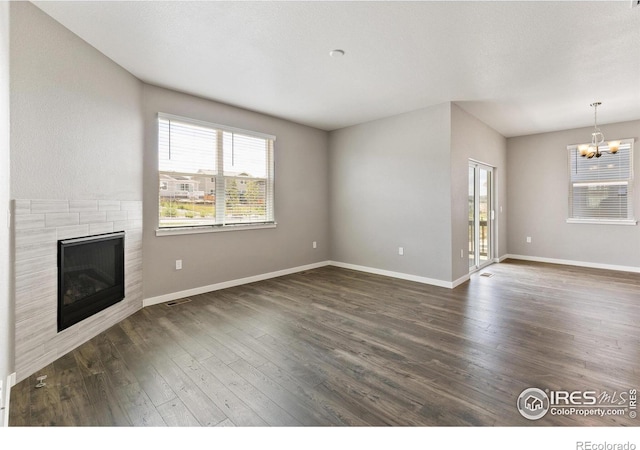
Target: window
601	189
213	176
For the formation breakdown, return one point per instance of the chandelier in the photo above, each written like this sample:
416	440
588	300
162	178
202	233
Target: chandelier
598	146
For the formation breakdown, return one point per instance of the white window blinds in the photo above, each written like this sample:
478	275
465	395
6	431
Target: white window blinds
212	175
601	189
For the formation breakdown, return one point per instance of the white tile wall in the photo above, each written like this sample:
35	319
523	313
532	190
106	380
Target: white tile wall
38	225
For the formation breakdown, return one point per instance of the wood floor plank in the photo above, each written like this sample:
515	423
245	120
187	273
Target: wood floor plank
175	414
155	387
200	324
138	405
226	423
390	367
109	412
88	359
46	408
332	401
250	325
77	408
332	346
296	406
264	407
375	387
234	346
280	357
221	396
20	405
207	413
327	405
112	361
191	346
144	326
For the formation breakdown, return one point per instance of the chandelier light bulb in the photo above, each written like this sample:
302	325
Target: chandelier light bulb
584	149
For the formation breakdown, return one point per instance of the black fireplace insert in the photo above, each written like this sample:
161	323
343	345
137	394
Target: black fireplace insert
90	276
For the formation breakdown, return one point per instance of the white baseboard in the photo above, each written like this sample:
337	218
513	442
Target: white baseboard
568	262
460	280
400	275
238	282
227	284
388	273
500	259
11	382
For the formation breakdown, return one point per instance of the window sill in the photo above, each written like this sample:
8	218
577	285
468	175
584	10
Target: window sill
604	221
212	229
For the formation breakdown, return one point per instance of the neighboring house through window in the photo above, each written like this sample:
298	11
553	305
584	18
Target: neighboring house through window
212	175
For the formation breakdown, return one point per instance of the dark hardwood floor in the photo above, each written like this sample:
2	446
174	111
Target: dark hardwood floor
337	347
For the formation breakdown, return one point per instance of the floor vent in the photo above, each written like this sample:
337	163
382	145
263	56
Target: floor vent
486	274
179	302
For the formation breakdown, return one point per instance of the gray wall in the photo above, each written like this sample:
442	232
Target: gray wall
301	204
390	187
76	128
6	308
471	138
538	190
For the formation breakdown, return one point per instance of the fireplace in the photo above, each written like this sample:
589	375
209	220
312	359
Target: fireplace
90	276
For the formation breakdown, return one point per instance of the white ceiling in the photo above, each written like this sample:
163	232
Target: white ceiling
521	67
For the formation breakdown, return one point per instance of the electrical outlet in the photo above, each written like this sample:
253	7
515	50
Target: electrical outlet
401	251
315	244
178	264
528	239
461	253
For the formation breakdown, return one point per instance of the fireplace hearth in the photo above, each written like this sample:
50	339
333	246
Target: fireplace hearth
90	276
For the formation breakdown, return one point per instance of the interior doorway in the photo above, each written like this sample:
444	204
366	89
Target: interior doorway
481	215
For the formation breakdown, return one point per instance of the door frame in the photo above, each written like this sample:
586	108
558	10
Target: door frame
491	215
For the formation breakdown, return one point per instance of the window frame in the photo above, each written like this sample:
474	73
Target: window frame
574	152
218	155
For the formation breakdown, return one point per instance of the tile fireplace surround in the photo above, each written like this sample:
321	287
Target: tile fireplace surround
38	225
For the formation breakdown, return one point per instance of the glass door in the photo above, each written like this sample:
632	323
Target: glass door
481	215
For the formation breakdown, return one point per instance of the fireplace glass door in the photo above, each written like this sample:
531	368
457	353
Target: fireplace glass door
90	276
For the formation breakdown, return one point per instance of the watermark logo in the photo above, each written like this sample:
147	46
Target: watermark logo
533	403
588	445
